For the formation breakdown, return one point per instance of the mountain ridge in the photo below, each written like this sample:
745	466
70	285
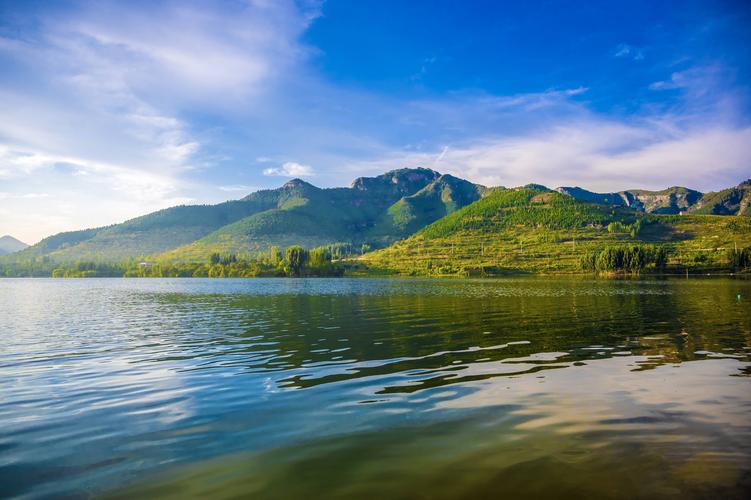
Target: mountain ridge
374	211
735	200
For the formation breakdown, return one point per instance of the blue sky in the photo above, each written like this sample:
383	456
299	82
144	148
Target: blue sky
109	110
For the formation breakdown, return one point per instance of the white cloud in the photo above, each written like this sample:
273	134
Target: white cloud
104	118
143	186
290	169
596	154
192	51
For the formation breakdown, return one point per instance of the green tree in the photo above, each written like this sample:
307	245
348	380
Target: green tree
275	256
296	258
660	258
740	258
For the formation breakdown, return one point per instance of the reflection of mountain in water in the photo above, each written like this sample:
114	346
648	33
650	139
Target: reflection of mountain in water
438	333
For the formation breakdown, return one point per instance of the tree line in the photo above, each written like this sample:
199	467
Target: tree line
630	259
294	261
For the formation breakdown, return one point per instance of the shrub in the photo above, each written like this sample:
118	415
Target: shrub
740	258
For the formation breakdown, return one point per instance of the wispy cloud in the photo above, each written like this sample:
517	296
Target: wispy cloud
290	169
113	91
626	51
238	188
25	196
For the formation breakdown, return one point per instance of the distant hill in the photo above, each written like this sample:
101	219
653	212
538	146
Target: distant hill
9	244
731	201
674	200
149	234
536	230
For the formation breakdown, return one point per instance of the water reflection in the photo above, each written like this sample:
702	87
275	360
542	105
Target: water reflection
375	387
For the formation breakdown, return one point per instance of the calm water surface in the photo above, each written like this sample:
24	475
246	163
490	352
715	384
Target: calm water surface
524	388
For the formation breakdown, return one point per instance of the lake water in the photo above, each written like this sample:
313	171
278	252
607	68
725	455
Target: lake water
359	388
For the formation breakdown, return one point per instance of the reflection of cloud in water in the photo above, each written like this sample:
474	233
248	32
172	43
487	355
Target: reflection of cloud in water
578	397
685	412
596	431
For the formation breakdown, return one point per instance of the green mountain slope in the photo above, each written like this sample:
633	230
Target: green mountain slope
375	210
441	197
539	231
152	233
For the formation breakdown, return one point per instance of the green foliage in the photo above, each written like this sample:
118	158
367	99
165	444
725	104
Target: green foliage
375	211
275	256
619	227
294	259
525	207
298	262
631	259
660	258
740	259
473	229
296	213
531	231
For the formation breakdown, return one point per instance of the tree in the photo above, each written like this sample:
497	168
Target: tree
275	256
660	258
320	259
296	257
740	258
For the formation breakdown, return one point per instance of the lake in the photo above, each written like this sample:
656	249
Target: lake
388	388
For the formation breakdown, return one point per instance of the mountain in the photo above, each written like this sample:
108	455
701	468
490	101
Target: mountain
731	201
8	244
673	200
444	195
296	213
374	210
152	233
535	230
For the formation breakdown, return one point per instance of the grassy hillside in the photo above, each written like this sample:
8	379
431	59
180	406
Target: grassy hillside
530	230
302	216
